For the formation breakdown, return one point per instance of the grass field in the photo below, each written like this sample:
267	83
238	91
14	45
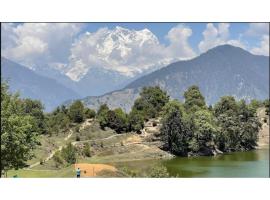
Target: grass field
68	172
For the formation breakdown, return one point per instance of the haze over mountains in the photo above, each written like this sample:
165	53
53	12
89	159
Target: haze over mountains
99	62
32	85
224	70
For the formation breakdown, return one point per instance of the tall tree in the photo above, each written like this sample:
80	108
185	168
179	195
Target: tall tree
18	132
174	133
136	121
194	100
203	132
102	115
151	101
76	112
238	125
89	113
117	120
35	109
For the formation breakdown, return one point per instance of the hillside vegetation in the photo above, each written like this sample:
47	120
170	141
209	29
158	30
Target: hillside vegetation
155	128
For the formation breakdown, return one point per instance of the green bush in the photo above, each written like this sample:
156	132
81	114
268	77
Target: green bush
174	133
136	121
159	172
102	115
89	113
86	150
69	153
76	112
57	158
150	102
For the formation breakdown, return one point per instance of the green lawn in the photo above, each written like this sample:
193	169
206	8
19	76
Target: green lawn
68	172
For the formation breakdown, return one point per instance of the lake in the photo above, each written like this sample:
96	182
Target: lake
238	164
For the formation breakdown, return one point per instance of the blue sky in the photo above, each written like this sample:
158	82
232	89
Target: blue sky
74	48
161	29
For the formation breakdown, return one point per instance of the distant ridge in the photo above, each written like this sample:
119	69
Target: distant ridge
223	70
32	85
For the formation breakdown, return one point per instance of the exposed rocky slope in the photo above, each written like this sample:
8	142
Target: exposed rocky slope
224	70
263	140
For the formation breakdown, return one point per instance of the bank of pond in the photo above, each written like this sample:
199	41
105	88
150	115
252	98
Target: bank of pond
253	163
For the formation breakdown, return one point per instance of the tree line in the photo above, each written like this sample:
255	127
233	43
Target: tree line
193	128
24	119
188	128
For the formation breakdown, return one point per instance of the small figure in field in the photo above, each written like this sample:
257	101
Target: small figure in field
78	172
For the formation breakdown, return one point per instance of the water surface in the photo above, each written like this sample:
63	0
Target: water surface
238	164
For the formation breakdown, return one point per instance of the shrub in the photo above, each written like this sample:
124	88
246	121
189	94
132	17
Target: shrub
102	115
76	112
78	138
69	153
86	150
41	161
159	172
77	129
150	102
57	158
117	120
136	121
89	113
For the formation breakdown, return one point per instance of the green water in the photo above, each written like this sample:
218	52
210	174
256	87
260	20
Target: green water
239	164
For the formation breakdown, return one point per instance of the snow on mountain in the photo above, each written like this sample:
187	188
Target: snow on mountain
127	52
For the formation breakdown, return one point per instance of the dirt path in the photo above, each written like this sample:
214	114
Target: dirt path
83	125
53	152
96	140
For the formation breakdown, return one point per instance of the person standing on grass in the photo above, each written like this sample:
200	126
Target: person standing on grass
78	172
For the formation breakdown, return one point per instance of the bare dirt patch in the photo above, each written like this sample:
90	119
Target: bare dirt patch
92	170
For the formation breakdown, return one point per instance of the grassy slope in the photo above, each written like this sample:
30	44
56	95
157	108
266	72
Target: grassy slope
106	147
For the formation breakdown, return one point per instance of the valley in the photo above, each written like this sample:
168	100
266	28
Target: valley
203	117
130	154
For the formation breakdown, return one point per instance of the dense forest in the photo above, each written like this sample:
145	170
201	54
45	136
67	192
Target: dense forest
188	128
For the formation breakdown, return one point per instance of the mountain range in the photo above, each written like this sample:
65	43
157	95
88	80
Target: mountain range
223	70
114	58
32	85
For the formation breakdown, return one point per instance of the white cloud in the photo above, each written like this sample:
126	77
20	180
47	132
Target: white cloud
63	46
59	46
38	44
179	46
260	31
127	51
214	36
220	35
257	29
236	43
263	49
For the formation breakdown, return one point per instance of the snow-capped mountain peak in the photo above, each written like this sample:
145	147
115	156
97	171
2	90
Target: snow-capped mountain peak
120	50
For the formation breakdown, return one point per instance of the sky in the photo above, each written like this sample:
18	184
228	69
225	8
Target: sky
237	31
126	48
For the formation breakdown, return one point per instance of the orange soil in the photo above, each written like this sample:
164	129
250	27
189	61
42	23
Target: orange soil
91	170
